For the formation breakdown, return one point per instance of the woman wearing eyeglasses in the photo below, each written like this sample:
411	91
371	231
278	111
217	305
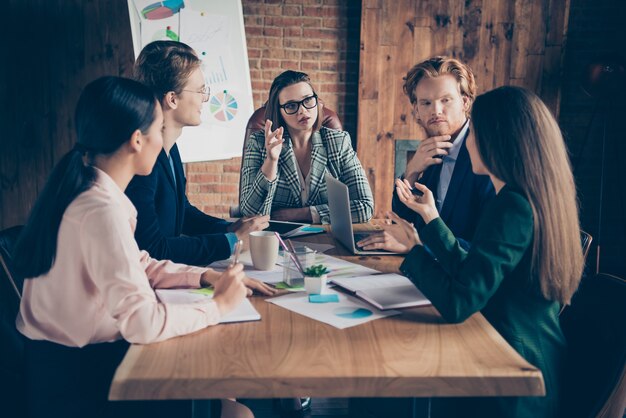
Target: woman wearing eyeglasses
284	165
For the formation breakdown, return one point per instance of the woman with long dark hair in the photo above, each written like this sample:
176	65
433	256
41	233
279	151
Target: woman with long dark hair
89	289
525	260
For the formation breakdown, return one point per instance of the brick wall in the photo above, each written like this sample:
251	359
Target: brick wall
319	37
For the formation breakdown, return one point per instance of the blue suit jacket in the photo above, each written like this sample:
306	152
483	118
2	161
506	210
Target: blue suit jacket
466	197
164	214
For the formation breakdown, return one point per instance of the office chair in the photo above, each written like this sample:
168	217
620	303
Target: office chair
12	397
257	123
595	328
585	242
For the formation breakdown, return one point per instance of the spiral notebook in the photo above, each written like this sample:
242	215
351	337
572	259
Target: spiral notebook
384	291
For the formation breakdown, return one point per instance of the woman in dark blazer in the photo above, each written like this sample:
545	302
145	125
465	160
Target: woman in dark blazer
525	260
283	167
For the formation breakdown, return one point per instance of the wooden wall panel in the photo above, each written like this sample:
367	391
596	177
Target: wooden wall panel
518	42
56	47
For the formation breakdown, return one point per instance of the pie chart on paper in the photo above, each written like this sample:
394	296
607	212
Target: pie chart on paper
352	313
223	106
162	9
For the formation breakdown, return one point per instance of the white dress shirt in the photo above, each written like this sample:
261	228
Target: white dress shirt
447	168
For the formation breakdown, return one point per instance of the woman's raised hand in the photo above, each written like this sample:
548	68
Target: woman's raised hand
273	141
424	205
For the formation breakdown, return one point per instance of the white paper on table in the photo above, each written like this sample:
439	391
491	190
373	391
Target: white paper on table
244	312
348	312
343	268
267	276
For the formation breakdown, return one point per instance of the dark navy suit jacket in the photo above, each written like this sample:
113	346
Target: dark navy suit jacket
168	226
466	197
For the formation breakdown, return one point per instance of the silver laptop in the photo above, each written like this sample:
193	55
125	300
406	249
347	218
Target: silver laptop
341	219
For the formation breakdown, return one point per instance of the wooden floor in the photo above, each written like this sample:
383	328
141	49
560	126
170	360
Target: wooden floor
320	407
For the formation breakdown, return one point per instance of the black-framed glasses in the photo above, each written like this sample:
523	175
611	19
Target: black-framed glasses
292	107
205	92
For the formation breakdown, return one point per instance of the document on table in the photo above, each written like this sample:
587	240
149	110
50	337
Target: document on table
385	291
337	267
342	268
275	275
244	312
348	312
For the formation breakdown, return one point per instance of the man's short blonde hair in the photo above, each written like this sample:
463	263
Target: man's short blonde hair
438	66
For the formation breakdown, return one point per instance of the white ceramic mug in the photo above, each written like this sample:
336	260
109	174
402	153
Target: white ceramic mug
263	249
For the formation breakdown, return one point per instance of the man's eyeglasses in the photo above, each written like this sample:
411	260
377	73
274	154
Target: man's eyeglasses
205	92
292	107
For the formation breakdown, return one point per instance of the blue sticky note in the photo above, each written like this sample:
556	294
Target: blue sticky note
312	229
323	298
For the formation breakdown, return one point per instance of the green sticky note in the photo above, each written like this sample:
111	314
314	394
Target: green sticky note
285	286
204	291
323	298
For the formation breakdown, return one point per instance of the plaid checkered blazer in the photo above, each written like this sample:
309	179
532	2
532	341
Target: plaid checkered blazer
331	151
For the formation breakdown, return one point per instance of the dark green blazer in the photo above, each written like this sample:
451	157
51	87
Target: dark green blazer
495	278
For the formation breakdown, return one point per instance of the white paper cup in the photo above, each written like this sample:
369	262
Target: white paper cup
263	249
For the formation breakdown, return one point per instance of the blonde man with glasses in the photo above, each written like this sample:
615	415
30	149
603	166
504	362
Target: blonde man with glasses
168	226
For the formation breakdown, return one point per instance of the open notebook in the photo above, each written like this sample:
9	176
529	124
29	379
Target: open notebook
244	312
385	291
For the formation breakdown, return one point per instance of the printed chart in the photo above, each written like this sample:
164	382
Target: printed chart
223	106
161	9
215	30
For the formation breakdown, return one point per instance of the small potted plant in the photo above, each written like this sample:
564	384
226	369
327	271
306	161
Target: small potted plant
315	278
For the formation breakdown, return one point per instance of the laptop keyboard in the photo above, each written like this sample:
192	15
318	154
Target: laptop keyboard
359	237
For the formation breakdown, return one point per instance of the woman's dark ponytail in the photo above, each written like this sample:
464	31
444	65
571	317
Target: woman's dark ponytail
108	112
36	248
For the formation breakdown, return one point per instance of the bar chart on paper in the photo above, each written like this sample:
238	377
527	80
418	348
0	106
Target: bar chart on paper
216	73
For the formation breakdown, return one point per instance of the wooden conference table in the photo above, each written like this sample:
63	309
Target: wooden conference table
415	354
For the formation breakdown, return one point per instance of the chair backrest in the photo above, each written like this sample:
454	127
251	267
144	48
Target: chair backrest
585	242
8	237
595	328
257	123
12	398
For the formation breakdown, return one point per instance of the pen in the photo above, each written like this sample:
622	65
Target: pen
417	192
238	246
292	255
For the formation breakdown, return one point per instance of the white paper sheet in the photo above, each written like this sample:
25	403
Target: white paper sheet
348	312
244	312
268	276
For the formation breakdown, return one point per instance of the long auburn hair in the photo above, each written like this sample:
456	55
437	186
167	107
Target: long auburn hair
521	144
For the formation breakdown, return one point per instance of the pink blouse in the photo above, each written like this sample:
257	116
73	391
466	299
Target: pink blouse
100	287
